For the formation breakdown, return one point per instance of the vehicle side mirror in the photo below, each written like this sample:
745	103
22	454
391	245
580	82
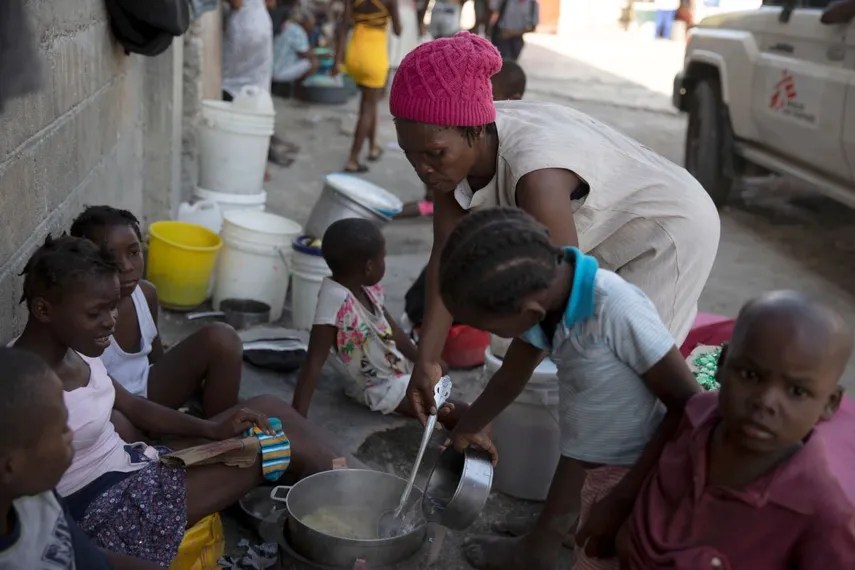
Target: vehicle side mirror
787	11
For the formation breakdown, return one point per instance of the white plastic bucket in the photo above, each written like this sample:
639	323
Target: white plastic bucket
309	270
532	417
254	99
255	260
227	202
233	146
205	213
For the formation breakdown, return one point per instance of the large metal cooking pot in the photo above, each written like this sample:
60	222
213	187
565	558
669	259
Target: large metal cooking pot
351	488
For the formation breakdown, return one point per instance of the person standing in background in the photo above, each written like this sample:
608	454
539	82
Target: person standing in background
666	13
444	18
248	58
366	58
510	21
411	32
482	17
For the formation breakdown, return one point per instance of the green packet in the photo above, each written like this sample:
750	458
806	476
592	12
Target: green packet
704	367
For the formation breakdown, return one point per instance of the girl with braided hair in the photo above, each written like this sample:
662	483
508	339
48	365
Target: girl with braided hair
206	363
118	491
637	213
622	381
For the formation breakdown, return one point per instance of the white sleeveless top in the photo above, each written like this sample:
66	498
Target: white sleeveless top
131	369
98	449
639	202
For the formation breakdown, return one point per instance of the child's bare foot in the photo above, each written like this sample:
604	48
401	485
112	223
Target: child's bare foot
519	526
492	553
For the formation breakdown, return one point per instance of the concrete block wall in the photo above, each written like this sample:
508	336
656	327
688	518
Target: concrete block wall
101	130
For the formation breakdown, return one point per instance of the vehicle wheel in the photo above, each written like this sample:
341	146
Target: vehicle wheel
709	142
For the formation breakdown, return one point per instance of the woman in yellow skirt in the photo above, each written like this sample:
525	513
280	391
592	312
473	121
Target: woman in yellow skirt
367	61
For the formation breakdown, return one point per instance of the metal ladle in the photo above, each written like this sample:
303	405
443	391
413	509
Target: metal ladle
390	522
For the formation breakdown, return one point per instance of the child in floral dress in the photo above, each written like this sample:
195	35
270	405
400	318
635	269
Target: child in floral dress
370	349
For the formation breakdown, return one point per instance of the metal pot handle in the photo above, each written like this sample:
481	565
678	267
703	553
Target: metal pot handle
275	491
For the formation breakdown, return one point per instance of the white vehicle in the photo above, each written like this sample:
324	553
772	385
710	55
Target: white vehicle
772	90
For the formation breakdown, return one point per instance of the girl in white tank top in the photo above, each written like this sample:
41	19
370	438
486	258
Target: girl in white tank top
206	364
130	369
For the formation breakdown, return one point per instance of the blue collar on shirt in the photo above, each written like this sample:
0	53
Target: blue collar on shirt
580	306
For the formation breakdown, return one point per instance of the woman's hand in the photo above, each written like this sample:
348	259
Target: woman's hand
238	422
420	390
461	441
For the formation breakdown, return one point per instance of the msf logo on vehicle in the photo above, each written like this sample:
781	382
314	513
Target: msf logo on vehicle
783	93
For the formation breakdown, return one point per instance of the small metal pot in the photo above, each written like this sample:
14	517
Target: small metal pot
350	487
258	506
239	313
458	488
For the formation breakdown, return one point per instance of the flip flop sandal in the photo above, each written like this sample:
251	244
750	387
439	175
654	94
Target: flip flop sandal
375	155
360	168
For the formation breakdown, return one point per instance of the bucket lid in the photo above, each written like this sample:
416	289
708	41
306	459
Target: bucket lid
301	244
365	192
231	197
262	222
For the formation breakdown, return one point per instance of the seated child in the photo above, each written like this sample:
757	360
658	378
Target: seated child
352	323
207	362
36	530
119	493
746	481
623	383
293	58
508	85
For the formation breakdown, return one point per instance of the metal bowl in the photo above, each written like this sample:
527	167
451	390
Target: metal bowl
258	506
458	488
334	204
325	94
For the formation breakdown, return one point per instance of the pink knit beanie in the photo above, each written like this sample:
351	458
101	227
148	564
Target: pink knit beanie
447	82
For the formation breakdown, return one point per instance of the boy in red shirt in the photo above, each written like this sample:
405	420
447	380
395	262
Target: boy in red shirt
746	482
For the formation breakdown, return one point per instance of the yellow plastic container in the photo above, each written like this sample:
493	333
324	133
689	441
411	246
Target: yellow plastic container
202	546
181	258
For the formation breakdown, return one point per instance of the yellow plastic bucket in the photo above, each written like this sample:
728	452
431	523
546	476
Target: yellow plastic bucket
181	258
202	546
